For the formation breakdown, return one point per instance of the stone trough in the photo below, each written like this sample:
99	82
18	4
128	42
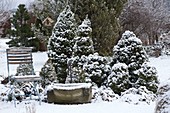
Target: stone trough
70	93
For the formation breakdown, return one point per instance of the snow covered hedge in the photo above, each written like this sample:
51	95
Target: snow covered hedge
131	68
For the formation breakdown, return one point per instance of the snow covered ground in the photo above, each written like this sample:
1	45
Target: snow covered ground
162	65
103	107
117	106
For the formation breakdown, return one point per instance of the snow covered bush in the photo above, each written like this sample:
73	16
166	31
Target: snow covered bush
97	69
163	100
138	95
147	77
24	91
76	72
93	68
48	73
60	46
25	69
27	88
118	79
130	52
103	94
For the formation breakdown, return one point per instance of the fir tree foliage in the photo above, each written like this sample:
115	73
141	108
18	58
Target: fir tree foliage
83	41
21	28
130	52
92	69
129	47
147	77
83	47
60	46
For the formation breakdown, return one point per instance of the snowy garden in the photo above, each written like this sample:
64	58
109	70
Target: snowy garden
136	99
104	99
129	81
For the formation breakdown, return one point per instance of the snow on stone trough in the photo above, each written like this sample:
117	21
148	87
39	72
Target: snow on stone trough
70	93
71	86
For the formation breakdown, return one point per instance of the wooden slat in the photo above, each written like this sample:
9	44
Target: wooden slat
18	56
27	78
18	52
20	62
19	59
20	49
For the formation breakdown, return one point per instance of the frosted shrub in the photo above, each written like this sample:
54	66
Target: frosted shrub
25	69
130	52
18	95
83	41
87	66
118	80
48	74
147	77
103	94
138	96
97	69
93	68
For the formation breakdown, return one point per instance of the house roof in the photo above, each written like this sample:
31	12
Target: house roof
48	19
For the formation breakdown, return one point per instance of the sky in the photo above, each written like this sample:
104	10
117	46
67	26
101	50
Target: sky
15	3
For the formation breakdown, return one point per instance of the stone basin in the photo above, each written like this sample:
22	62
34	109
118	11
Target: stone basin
70	93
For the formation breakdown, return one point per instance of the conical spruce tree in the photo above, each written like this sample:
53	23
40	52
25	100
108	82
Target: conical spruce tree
83	41
82	48
60	46
130	52
21	27
87	65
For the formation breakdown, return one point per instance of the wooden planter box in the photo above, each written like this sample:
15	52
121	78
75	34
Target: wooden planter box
70	93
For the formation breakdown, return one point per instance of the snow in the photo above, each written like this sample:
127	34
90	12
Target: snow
69	86
162	65
116	106
82	108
